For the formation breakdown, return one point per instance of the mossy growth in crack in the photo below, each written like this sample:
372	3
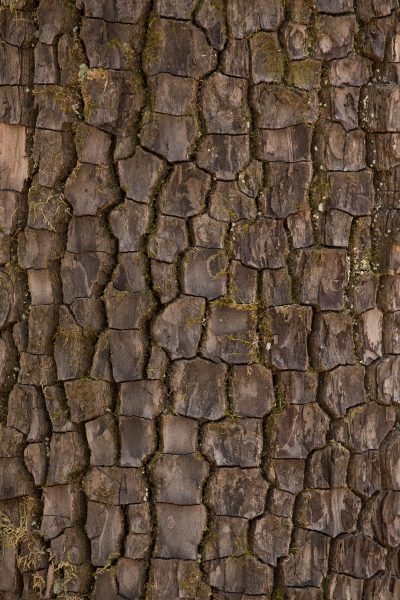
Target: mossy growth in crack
32	551
10	5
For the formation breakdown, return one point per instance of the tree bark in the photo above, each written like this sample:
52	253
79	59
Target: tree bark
199	290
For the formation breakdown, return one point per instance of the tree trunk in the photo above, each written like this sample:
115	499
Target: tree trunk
199	290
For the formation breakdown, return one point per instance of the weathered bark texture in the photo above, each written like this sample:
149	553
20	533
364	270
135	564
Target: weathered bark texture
200	299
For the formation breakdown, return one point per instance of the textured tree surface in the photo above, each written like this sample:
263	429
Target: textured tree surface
199	299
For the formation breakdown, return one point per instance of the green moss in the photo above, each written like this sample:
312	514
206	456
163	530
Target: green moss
218	5
193	585
73	334
50	207
127	50
153	461
265	328
280	401
66	97
104	495
267	56
279	594
319	191
220	263
23	536
29	544
229	303
365	253
154	42
10	5
110	566
305	74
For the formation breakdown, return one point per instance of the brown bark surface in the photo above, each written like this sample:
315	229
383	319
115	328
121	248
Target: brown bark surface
199	290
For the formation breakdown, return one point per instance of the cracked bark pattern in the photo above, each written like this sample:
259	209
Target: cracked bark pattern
199	299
